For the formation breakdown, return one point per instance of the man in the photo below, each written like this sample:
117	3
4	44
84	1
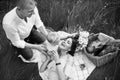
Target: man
18	25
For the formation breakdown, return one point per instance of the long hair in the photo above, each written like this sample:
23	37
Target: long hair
74	45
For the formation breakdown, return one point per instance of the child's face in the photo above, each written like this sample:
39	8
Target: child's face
53	38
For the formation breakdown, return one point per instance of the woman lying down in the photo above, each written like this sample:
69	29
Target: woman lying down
61	62
65	64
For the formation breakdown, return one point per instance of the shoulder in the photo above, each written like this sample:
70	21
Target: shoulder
10	16
36	10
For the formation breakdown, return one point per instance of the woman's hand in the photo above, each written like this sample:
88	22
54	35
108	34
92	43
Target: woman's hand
55	55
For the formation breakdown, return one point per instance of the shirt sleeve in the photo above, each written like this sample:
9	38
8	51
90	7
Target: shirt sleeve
39	24
13	36
38	21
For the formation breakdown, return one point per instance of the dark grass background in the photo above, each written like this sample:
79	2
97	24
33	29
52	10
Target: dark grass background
92	15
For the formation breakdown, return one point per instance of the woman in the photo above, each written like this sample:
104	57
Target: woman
54	38
68	62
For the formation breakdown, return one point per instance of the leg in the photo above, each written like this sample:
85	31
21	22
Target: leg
27	53
36	37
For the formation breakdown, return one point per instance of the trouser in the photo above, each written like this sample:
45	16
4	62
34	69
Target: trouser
11	66
35	37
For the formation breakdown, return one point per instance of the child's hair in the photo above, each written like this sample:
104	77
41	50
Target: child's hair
51	37
74	45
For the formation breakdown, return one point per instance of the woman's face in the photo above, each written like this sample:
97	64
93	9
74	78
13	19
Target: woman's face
65	44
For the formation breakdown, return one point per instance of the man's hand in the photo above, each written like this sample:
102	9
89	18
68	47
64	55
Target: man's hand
41	48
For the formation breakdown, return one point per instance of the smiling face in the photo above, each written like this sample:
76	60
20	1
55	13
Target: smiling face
65	44
26	8
28	12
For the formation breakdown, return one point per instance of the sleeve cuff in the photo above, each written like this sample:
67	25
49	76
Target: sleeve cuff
19	44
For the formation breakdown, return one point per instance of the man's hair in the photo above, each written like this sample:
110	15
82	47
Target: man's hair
22	4
74	45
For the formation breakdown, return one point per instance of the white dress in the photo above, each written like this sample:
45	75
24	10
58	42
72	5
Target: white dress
77	67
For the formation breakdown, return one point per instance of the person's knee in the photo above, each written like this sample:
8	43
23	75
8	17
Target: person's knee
27	53
37	36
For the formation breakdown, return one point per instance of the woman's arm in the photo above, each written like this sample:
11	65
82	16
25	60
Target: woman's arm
64	35
45	63
61	75
59	67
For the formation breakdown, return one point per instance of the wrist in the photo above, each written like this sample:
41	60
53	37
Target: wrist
58	63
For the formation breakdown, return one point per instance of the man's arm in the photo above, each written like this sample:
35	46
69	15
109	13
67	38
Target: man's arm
43	30
13	36
39	24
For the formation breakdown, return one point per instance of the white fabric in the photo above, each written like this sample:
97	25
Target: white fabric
39	58
71	66
17	29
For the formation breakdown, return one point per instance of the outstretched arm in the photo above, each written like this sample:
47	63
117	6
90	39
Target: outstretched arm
64	35
45	63
59	67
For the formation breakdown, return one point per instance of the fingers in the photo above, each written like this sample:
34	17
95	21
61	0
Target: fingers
54	55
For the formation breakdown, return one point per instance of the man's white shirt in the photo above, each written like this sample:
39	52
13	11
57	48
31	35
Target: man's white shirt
17	29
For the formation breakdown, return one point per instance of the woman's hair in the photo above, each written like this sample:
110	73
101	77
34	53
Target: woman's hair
74	45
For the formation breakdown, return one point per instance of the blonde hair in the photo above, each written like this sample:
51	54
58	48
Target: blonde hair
52	37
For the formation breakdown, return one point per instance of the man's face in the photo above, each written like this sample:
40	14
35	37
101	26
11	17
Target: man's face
28	11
